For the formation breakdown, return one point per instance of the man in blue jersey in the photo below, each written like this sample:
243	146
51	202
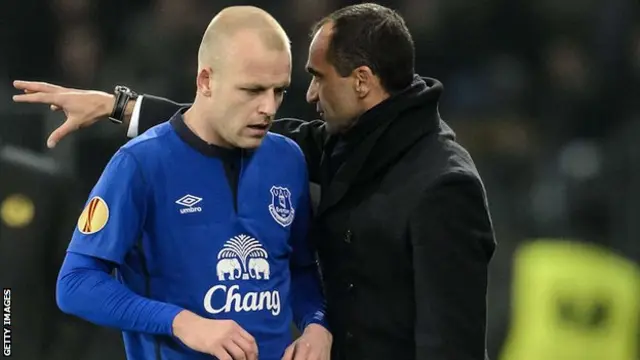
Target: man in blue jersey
204	218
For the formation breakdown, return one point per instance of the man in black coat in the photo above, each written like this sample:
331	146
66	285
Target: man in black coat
402	227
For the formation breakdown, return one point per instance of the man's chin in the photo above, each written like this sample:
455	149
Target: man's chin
250	143
339	126
332	128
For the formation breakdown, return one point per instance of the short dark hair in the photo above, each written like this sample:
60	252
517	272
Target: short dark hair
371	35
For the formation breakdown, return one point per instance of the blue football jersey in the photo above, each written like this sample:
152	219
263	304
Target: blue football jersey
165	213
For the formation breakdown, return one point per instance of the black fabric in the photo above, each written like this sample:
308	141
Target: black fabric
403	230
156	110
391	199
343	144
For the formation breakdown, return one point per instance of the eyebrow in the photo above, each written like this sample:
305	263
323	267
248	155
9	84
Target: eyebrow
259	87
313	71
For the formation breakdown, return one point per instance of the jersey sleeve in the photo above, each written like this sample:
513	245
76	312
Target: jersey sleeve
86	289
113	216
307	298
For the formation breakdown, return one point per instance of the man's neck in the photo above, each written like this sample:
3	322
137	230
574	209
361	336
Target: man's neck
374	99
368	103
199	125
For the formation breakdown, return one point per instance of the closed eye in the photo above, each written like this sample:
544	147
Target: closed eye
254	91
257	91
315	73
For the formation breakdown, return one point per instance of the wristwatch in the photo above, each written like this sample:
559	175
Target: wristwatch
123	95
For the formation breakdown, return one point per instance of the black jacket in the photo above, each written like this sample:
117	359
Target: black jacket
403	230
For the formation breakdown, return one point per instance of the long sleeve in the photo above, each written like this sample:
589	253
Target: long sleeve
109	226
307	301
453	242
86	289
307	298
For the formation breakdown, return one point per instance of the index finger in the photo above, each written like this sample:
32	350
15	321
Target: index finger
250	349
250	339
220	353
246	335
62	131
36	86
37	98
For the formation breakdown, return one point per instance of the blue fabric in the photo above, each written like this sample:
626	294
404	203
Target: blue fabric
86	286
175	237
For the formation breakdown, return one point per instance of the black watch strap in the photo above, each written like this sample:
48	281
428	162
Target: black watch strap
123	95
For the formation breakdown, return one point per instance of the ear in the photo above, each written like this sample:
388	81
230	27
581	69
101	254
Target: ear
203	81
365	80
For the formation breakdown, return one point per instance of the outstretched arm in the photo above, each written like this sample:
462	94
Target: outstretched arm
81	107
85	107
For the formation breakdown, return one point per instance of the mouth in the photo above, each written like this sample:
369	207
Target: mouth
260	127
259	130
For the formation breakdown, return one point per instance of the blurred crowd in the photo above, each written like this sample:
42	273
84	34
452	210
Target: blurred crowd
544	93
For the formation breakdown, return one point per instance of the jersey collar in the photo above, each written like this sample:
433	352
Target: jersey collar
183	131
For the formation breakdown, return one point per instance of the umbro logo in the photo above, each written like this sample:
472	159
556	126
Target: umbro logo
189	202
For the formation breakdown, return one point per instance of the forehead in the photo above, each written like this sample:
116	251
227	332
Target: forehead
319	46
259	65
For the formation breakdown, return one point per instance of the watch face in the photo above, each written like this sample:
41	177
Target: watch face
125	90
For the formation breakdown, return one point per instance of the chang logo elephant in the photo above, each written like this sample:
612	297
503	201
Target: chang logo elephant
228	266
259	266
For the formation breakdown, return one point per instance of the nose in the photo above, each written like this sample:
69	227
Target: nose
269	104
312	92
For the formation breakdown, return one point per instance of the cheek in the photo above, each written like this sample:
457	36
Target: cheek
327	97
337	98
241	115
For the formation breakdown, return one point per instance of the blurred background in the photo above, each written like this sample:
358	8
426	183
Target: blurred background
544	93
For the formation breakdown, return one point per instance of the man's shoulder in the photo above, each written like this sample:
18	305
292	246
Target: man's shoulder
149	147
283	145
440	155
148	141
301	131
458	158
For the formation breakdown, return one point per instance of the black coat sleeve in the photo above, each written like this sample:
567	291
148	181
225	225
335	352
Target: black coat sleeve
155	110
452	241
310	136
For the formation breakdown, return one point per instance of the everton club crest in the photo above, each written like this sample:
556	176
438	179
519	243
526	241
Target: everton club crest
281	207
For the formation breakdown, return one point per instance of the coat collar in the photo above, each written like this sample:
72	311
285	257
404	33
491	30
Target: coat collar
381	136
